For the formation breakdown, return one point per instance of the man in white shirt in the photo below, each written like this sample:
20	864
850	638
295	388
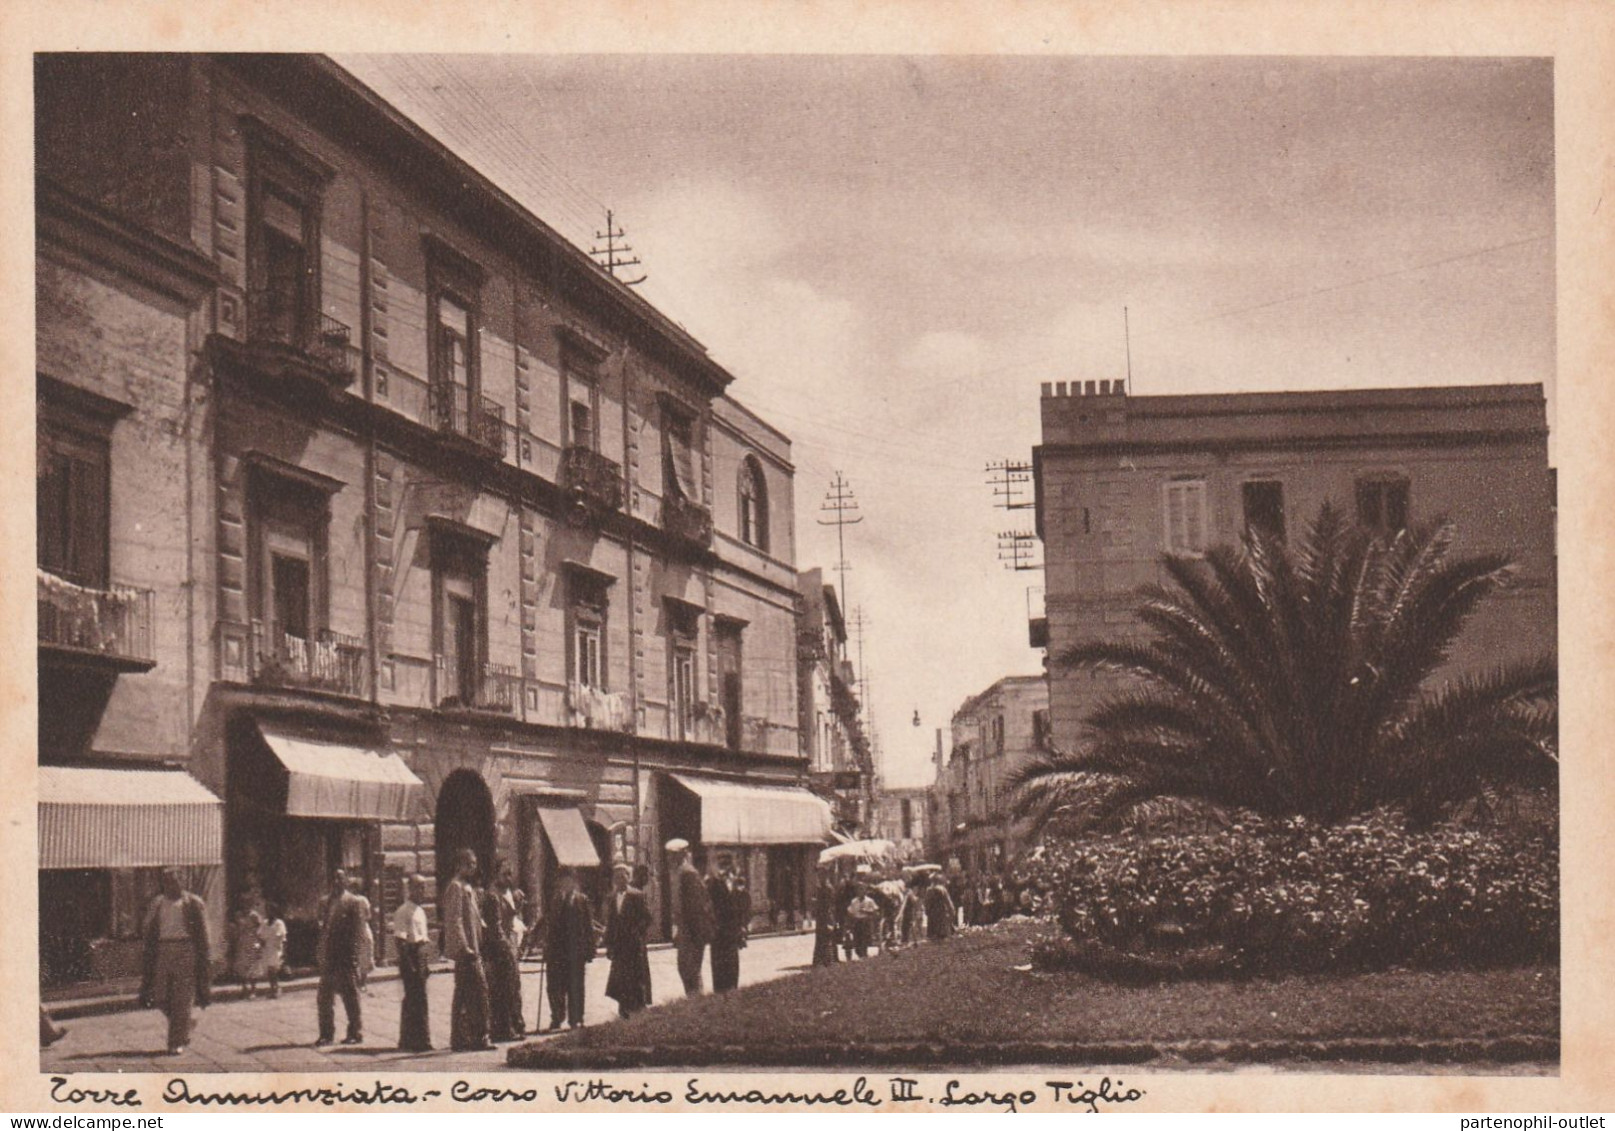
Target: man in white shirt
413	939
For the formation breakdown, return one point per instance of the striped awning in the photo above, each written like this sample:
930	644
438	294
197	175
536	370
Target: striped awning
330	779
738	813
569	838
96	817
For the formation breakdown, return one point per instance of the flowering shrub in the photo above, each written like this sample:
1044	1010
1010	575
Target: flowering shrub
1266	895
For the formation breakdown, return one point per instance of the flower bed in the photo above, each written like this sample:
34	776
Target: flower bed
1293	895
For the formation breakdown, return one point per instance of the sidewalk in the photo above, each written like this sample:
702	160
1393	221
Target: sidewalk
263	1035
123	996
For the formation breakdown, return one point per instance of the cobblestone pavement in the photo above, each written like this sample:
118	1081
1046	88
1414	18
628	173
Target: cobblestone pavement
261	1035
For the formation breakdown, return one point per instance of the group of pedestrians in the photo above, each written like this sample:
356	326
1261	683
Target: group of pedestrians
484	934
863	911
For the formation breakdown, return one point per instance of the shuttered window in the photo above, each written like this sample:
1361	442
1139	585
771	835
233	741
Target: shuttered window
1185	507
73	485
679	455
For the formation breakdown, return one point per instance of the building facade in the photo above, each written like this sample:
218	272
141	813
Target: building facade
1123	480
902	817
840	761
451	540
992	735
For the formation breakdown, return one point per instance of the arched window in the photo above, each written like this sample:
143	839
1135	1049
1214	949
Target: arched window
753	504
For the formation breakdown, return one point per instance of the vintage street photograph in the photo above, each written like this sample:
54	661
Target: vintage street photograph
645	561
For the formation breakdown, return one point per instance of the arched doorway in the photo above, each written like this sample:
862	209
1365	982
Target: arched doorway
465	819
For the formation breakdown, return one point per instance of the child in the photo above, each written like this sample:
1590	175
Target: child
272	947
249	957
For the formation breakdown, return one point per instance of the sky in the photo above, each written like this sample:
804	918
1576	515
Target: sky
892	253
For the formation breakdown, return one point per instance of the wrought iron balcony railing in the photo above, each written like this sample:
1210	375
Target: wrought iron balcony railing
686	520
115	622
494	687
323	343
332	661
455	410
592	478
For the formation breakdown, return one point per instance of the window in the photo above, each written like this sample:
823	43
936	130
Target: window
453	284
283	239
1264	507
73	515
729	669
678	454
460	621
586	607
683	690
1185	514
289	521
582	405
684	627
753	504
1382	503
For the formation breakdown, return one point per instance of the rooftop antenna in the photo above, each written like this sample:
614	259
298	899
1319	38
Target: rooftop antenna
616	254
1127	337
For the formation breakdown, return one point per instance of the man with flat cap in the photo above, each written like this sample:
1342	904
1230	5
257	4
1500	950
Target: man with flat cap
692	915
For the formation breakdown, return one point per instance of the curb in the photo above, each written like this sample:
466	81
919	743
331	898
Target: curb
1495	1050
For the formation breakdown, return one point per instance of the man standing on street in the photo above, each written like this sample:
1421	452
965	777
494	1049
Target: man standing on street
462	943
568	950
340	929
176	967
692	915
731	914
627	924
411	937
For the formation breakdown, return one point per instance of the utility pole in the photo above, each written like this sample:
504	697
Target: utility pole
1017	549
1009	479
616	253
842	507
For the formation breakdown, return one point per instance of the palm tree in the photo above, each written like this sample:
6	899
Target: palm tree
1295	682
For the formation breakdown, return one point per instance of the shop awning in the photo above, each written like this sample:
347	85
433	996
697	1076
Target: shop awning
569	838
94	817
328	779
738	813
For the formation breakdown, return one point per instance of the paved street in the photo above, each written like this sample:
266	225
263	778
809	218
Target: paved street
277	1036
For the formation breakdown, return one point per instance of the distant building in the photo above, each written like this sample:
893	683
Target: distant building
1123	480
992	735
375	511
901	817
840	762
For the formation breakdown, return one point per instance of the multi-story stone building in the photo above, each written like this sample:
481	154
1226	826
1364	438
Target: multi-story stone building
1123	480
840	761
992	735
411	529
901	816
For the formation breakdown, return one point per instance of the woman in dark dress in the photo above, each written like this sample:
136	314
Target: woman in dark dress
826	922
627	925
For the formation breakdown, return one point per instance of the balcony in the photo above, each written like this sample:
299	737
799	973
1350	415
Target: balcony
686	521
332	662
106	628
281	346
496	690
595	709
470	417
594	481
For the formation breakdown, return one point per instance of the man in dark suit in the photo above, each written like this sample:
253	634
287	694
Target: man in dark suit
731	915
692	914
627	924
340	929
568	950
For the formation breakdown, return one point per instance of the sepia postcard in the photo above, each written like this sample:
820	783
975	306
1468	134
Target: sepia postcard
848	557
